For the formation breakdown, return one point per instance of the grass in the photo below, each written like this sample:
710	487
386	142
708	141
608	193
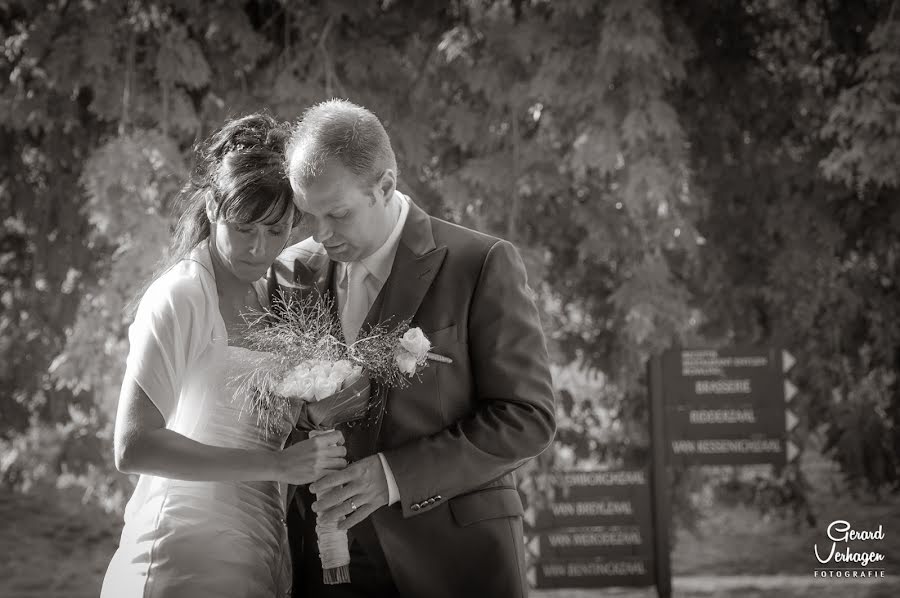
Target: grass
53	546
737	552
741	541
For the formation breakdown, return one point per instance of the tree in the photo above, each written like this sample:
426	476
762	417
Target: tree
792	115
652	159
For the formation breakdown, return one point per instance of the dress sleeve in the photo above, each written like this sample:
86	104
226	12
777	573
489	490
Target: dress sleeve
166	336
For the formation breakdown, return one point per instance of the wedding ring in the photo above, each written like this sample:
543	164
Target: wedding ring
352	506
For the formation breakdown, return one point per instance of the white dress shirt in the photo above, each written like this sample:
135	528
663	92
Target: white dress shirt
379	266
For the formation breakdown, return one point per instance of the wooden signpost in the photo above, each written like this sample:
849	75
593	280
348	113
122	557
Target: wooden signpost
707	407
728	406
597	532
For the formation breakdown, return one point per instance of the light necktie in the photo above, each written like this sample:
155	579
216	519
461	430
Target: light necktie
356	302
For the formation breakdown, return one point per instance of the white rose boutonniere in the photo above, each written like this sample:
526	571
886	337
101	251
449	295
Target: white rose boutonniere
414	341
406	362
413	351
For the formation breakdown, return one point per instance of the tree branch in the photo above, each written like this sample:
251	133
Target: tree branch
512	224
124	122
327	69
164	86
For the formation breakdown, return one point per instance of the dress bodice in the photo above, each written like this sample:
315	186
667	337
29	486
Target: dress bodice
233	417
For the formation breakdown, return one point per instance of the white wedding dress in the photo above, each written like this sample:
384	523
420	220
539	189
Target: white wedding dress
199	539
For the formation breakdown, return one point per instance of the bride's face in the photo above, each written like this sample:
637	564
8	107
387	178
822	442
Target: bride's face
248	249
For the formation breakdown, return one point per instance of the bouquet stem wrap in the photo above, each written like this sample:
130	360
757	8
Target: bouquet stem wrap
346	405
334	548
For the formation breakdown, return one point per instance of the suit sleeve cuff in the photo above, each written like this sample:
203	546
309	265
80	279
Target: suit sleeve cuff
393	490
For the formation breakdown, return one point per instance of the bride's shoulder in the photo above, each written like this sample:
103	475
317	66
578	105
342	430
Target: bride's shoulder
182	289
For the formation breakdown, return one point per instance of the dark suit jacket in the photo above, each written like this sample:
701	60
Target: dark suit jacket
454	437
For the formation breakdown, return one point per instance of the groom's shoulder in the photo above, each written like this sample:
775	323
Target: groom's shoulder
307	253
306	250
462	240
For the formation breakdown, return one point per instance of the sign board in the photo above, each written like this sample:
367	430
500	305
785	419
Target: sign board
596	532
707	406
727	406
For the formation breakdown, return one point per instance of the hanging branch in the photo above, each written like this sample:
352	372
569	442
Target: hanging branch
417	83
327	70
287	34
164	86
332	81
512	224
127	90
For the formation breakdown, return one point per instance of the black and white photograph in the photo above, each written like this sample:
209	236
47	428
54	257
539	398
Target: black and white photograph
464	299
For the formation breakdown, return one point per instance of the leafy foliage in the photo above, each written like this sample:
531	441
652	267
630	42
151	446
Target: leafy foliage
704	172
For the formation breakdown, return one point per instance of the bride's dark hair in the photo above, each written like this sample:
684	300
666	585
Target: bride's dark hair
241	166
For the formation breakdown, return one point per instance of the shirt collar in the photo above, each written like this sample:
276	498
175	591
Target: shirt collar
379	264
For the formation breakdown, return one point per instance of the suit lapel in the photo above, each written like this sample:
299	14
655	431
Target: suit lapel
416	264
409	281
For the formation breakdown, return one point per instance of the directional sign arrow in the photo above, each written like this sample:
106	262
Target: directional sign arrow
789	391
792	451
529	516
787	361
534	547
790	420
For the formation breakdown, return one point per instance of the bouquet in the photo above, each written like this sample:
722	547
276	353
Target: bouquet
311	371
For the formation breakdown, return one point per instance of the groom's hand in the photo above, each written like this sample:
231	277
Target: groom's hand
362	484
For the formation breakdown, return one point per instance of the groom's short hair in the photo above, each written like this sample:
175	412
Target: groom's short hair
338	129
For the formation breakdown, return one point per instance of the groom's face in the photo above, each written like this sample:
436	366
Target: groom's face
349	216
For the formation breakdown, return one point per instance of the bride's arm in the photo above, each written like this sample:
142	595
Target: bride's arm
143	445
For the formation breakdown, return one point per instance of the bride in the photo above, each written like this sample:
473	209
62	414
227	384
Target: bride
207	518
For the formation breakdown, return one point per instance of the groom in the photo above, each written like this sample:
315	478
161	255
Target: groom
430	499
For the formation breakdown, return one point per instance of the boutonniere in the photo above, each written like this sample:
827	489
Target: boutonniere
436	357
414	350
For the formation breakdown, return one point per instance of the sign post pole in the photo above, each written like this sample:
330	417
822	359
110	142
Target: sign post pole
659	484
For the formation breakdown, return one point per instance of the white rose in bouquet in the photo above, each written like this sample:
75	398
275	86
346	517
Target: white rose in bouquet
354	375
305	388
338	379
325	387
342	366
319	370
296	384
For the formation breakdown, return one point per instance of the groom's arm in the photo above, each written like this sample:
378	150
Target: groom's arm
513	415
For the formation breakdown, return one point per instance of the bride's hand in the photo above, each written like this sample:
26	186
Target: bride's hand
307	461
